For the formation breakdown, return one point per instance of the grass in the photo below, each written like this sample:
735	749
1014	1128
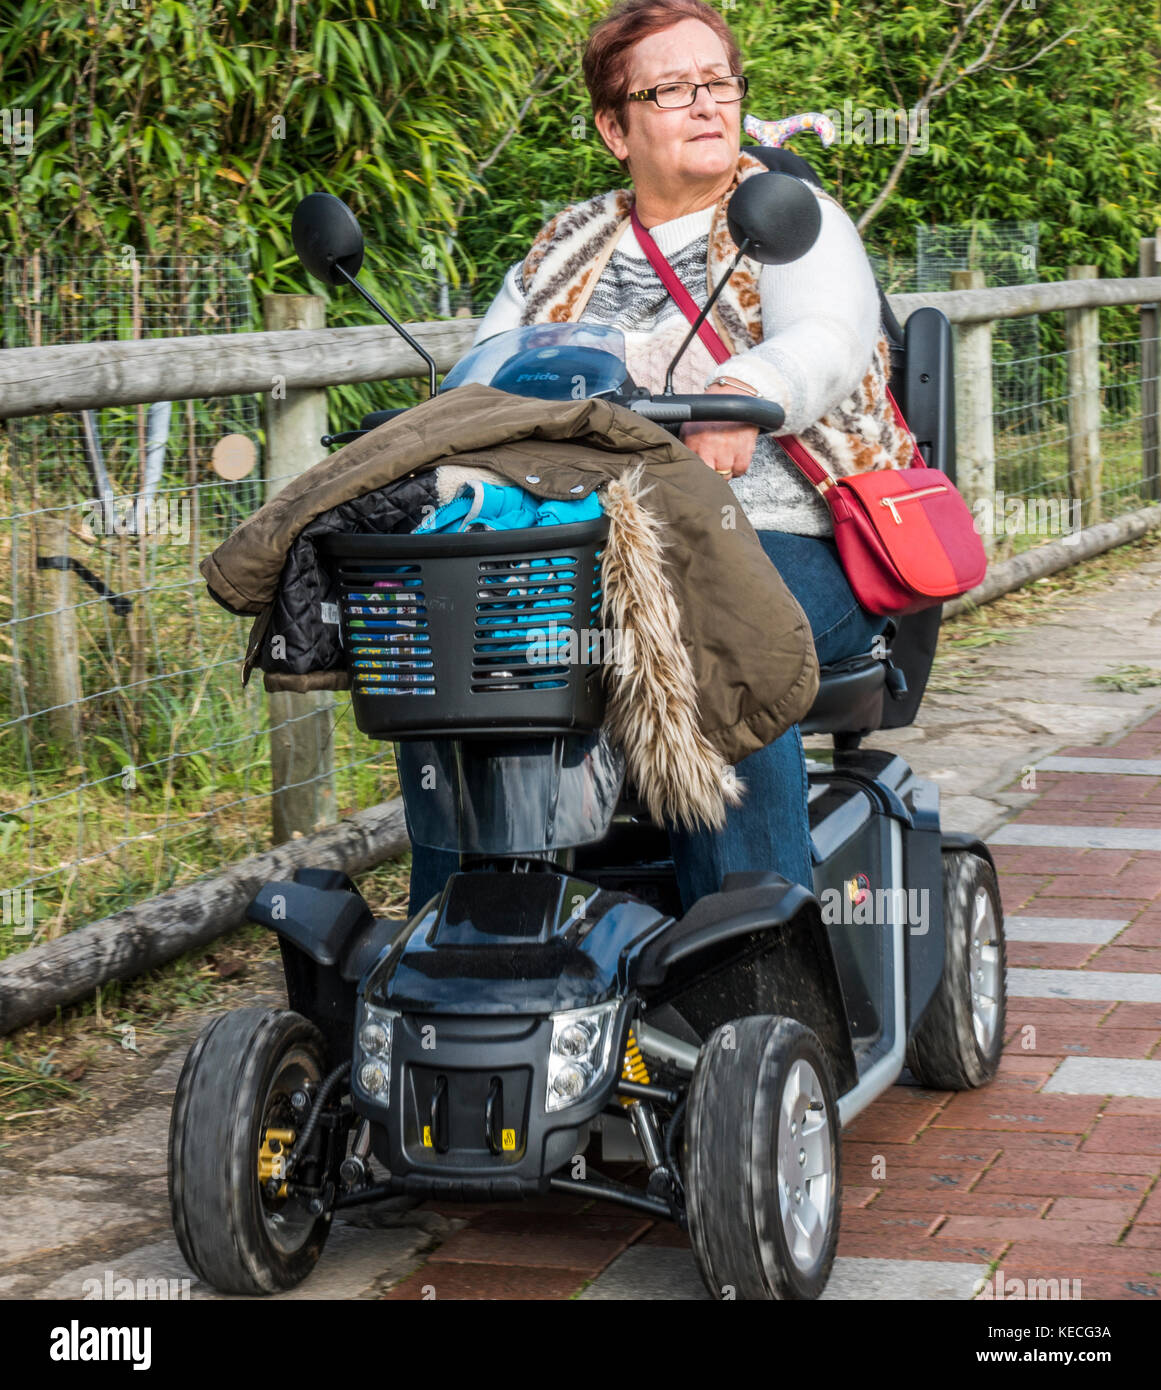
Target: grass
154	791
161	773
52	1057
33	1087
1128	678
1033	470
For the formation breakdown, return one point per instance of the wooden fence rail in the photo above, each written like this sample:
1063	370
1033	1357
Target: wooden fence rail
88	376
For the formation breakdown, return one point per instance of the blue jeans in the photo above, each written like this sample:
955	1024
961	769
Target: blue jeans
770	829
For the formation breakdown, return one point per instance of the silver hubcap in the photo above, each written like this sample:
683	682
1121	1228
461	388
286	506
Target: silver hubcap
985	968
805	1165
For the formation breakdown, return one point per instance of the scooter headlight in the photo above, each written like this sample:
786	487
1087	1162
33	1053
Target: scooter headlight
576	1039
579	1054
373	1053
374	1038
375	1078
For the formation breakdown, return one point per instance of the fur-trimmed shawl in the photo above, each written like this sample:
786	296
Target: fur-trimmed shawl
565	262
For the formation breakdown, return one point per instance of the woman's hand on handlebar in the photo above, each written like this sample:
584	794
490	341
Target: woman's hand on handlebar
726	448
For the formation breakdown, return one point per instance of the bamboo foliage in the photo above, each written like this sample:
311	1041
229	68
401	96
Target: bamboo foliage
196	125
1059	121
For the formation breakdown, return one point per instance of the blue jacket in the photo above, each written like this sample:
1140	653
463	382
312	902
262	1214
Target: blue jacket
492	507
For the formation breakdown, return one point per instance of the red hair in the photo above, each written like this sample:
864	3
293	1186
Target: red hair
608	53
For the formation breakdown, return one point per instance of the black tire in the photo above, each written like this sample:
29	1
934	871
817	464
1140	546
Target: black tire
739	1169
959	1041
236	1081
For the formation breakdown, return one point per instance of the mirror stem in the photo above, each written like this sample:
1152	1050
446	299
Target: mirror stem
697	323
403	333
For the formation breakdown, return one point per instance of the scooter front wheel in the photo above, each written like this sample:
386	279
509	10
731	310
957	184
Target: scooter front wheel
763	1162
232	1121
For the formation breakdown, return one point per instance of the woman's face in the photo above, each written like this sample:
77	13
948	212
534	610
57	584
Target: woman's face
697	143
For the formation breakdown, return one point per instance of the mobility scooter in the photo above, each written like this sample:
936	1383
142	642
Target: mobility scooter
552	1011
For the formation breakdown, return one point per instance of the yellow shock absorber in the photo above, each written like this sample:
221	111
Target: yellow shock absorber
634	1068
272	1155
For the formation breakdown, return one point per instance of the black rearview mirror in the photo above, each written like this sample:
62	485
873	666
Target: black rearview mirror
777	214
327	238
329	243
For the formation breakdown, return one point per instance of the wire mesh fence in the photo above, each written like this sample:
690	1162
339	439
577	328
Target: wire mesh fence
1034	408
131	758
1121	425
1036	442
1005	253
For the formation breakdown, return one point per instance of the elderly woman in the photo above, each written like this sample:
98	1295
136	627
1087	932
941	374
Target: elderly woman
666	86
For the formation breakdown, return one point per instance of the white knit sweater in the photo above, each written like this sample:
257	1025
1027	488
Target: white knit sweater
820	321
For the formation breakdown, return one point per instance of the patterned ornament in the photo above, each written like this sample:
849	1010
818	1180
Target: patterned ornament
776	133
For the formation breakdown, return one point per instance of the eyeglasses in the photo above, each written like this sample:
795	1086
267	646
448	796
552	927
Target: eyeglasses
671	94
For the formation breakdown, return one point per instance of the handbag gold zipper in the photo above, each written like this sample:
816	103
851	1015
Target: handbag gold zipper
893	502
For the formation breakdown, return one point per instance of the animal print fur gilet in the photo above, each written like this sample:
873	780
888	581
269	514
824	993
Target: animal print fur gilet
570	252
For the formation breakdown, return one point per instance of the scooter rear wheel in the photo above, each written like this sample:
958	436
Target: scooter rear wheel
959	1041
763	1162
234	1089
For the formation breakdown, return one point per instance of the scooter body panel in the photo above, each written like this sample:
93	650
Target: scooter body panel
475	976
759	949
851	807
467	1111
878	874
502	943
474	980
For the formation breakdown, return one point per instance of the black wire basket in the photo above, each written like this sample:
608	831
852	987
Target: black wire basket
473	633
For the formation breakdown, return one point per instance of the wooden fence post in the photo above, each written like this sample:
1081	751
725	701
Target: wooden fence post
975	468
1150	264
1083	338
56	633
301	726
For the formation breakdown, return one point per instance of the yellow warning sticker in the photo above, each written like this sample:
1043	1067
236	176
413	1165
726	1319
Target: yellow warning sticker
427	1136
508	1139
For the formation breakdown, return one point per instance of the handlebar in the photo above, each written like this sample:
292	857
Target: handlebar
664	410
745	410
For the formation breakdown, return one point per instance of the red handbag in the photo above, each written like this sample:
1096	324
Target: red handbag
905	536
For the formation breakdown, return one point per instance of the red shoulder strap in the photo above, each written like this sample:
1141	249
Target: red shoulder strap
794	447
681	296
815	473
917	459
